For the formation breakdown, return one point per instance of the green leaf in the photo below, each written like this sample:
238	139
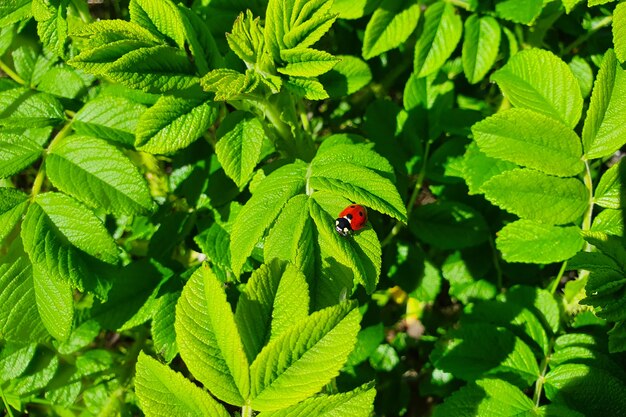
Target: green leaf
479	168
354	9
101	175
609	222
509	357
240	141
617	338
208	338
303	359
139	65
162	391
162	329
267	201
487	397
80	226
14	359
541	302
536	196
608	245
391	24
228	84
570	4
246	39
340	149
360	185
611	189
19	318
605	125
173	123
619	31
588	390
112	118
362	252
463	276
356	403
539	80
480	46
62	82
12	11
583	73
530	139
51	24
347	77
449	225
524	13
291	238
55	302
306	62
162	18
531	242
275	297
16	153
13	204
308	88
25	108
442	32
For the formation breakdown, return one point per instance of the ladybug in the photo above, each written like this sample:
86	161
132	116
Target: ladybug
351	219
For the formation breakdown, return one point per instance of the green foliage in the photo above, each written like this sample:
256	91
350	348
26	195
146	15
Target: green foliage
172	173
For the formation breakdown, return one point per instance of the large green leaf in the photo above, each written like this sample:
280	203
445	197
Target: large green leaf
52	25
539	80
55	302
487	397
360	185
276	296
590	390
509	357
478	168
442	32
291	238
619	31
391	24
13	204
306	62
19	318
536	196
99	174
303	359
605	126
356	403
25	108
162	329
347	77
266	203
12	11
515	11
611	189
106	117
240	141
164	392
173	123
16	153
72	223
531	242
480	46
530	139
162	18
208	338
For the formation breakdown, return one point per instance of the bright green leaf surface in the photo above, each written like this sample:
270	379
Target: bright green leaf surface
164	392
539	80
25	108
479	168
480	46
515	11
98	174
173	123
619	31
531	242
208	338
530	139
442	32
391	24
611	189
13	204
276	296
269	198
605	126
240	141
536	196
303	359
16	153
348	76
55	303
306	62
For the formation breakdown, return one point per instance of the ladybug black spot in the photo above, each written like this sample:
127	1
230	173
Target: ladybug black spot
352	206
349	216
361	213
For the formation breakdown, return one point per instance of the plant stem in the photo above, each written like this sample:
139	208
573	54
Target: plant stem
246	411
544	370
41	174
557	279
583	38
589	213
8	71
6	404
496	263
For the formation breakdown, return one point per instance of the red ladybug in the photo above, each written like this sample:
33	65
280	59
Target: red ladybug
351	219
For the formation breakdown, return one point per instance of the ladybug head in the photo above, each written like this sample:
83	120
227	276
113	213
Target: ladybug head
342	226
